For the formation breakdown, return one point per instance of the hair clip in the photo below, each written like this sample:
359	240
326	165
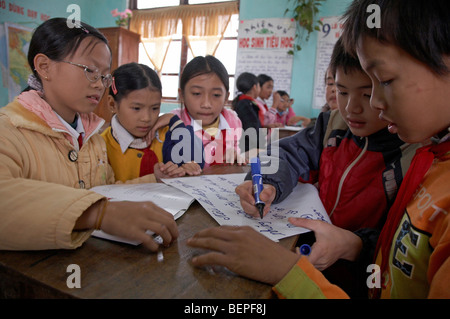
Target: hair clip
113	86
78	25
84	29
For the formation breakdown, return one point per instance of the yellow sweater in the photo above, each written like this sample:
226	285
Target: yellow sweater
40	195
129	165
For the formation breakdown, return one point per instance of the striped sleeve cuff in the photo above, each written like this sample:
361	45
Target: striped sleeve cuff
304	281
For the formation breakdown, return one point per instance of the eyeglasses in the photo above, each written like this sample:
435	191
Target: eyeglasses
93	74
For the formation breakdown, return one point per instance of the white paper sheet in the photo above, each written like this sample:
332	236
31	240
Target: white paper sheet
292	128
169	198
216	193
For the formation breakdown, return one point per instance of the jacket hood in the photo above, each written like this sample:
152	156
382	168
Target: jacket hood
30	111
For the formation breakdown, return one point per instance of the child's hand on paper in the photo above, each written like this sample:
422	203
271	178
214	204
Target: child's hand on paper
332	243
245	252
167	170
245	192
192	168
132	220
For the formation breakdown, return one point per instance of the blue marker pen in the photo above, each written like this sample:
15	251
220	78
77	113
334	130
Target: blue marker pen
305	249
257	184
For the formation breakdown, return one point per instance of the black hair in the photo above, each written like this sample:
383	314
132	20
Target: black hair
204	65
419	27
282	93
263	78
133	76
57	40
340	58
244	83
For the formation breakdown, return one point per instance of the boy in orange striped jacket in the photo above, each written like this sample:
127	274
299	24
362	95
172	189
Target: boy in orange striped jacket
410	77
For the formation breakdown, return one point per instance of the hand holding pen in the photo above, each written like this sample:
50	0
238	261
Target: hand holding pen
246	196
332	243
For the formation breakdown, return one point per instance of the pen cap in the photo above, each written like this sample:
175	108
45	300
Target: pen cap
255	165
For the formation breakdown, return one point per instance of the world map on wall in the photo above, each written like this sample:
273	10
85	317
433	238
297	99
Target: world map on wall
14	45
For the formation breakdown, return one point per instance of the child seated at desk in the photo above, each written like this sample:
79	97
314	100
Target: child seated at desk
204	90
51	153
349	152
266	88
356	162
135	100
281	111
246	107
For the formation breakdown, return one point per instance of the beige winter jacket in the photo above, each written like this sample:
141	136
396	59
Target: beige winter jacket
42	173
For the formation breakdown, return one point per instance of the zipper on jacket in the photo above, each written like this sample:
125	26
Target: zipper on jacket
348	169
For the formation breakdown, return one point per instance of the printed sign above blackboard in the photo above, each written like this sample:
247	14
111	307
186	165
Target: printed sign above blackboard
263	46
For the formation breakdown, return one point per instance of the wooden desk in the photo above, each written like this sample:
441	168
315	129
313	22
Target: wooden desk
115	270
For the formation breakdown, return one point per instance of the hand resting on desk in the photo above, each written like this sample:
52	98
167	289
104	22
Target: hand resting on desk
250	254
132	220
167	170
245	252
170	169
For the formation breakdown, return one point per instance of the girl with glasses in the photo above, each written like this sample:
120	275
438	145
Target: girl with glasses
51	153
281	111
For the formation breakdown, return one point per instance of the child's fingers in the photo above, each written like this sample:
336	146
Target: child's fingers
164	167
247	199
245	193
314	225
179	172
192	168
169	168
268	194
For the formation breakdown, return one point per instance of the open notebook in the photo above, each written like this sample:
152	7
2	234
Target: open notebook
171	199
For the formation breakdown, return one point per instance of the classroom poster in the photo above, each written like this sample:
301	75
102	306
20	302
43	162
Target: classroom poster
14	43
327	37
263	46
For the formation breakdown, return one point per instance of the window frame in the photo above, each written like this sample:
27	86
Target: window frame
184	54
